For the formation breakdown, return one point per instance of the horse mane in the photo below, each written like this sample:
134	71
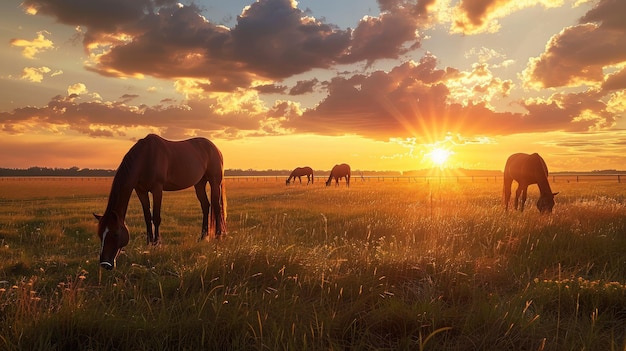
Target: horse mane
122	187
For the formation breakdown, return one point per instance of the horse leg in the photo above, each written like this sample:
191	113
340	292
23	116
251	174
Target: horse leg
157	197
518	191
204	203
507	192
348	180
523	200
145	205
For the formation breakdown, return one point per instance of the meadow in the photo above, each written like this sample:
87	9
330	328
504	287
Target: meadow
382	265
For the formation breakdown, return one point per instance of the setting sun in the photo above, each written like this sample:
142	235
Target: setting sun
439	156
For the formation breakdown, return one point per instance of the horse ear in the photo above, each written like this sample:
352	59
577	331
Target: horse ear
555	194
97	216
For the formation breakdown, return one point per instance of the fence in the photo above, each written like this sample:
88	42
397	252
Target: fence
556	178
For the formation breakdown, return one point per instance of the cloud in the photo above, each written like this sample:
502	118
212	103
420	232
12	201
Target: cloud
270	89
77	89
227	115
30	48
271	39
615	81
420	100
34	74
579	54
479	16
380	37
303	87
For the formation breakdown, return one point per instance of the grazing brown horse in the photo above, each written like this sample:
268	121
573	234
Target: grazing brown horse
153	165
338	172
526	170
298	173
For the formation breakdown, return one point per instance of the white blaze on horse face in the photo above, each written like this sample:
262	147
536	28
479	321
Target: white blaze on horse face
104	236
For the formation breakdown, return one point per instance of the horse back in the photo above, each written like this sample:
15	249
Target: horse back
178	164
340	170
525	168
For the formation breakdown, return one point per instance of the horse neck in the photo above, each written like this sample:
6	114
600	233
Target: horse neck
122	188
544	186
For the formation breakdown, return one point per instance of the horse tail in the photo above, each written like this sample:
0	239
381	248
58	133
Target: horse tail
223	211
217	220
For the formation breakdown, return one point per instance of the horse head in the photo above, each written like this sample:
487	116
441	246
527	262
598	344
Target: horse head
113	236
546	203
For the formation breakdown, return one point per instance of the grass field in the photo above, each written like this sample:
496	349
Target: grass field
377	266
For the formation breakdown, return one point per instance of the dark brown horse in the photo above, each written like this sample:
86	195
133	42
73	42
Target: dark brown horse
526	170
338	172
298	173
153	165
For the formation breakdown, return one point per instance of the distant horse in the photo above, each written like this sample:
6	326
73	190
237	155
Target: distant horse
153	165
338	172
298	173
526	170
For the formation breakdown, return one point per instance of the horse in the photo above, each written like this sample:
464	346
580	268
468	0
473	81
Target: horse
526	170
338	172
298	173
155	165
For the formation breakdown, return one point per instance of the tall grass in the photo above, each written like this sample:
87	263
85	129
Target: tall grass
389	265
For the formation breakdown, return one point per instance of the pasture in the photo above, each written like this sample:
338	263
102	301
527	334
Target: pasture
376	266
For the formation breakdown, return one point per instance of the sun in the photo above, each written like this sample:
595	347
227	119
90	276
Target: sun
439	156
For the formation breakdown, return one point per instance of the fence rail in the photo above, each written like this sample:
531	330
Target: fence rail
556	178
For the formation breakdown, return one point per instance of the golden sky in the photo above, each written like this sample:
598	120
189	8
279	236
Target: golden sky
276	84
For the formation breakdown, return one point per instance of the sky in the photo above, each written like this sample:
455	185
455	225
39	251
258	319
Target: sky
276	84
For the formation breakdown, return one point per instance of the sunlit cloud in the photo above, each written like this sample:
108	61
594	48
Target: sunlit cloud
35	74
77	89
31	48
241	101
479	85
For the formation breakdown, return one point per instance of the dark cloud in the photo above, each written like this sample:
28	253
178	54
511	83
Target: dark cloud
474	14
277	40
304	87
271	89
128	97
609	13
100	16
381	37
271	39
615	81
